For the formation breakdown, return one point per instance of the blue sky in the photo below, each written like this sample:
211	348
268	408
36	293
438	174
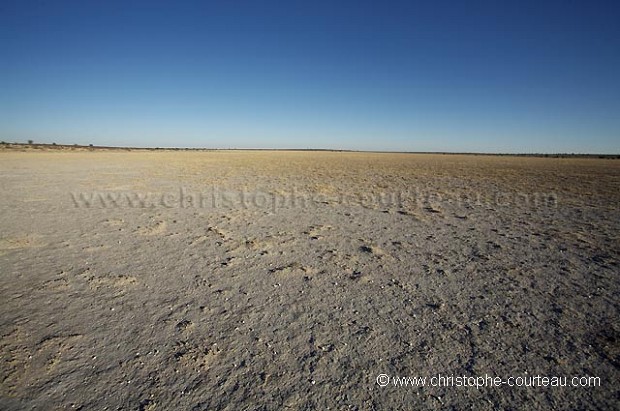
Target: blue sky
480	76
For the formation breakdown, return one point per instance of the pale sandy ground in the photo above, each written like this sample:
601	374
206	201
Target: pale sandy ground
505	266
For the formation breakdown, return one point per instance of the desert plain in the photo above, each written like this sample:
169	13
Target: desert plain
269	280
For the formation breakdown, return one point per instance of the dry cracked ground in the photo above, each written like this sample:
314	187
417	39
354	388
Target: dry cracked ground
232	280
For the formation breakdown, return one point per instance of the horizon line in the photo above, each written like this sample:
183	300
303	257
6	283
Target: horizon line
335	150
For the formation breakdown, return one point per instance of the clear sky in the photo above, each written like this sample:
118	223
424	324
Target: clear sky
481	76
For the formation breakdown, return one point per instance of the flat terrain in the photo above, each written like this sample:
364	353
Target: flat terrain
160	280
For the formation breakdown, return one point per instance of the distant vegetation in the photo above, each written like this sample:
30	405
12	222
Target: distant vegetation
91	146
